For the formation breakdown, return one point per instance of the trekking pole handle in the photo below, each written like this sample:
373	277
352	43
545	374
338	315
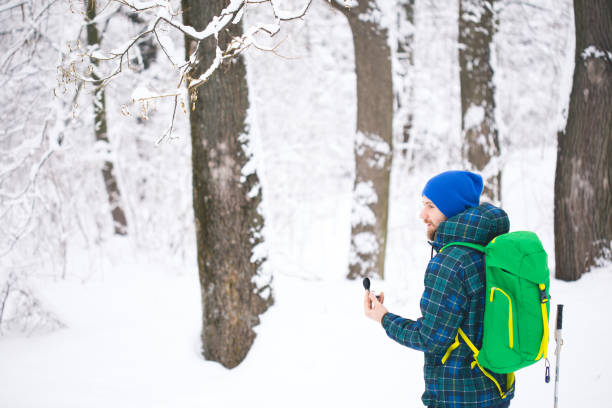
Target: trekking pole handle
559	317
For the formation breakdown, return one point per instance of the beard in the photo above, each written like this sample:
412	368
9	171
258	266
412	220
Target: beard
431	232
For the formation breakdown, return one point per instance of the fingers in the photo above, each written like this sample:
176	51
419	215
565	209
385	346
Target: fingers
373	308
367	303
373	299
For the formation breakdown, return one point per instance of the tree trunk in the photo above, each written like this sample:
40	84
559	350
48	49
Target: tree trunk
100	128
583	180
373	143
405	70
226	198
476	28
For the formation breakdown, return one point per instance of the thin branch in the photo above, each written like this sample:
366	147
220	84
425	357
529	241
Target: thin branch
106	24
273	50
149	6
161	45
168	131
34	171
9	55
22	233
4	298
12	5
288	16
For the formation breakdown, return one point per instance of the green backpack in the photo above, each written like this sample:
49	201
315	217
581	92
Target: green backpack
515	332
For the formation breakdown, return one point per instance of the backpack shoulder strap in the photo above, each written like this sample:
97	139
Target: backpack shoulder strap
466	244
509	376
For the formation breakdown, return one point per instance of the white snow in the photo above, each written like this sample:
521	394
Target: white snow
131	307
132	333
371	141
474	116
363	195
593	52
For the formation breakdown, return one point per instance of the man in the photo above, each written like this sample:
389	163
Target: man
454	295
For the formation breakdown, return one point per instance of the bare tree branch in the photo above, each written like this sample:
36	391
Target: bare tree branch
6	58
166	15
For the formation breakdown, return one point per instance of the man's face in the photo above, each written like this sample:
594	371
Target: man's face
432	217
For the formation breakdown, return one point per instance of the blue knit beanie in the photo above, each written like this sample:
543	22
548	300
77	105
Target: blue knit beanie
454	191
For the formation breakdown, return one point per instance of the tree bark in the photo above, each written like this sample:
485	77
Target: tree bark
226	198
100	127
373	143
476	28
583	179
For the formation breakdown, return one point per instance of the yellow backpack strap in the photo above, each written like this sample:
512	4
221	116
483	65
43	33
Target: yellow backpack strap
509	380
543	300
509	377
451	349
468	342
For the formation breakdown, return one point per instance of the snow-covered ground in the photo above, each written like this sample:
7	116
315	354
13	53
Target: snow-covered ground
132	333
131	312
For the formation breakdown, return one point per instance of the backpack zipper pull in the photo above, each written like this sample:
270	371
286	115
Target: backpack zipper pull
547	375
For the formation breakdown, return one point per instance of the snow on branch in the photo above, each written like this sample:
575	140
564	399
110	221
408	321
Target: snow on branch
230	14
163	16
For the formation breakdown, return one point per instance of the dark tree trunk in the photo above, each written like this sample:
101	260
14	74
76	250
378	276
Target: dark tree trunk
373	143
225	200
476	28
100	129
583	181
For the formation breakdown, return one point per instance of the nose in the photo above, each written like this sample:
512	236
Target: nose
422	214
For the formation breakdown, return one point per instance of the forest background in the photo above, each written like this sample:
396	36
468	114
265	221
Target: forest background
119	280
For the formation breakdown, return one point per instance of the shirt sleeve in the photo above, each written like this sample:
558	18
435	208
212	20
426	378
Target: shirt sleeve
443	307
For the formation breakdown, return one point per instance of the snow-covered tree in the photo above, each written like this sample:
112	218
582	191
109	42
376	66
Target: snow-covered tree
583	183
100	124
35	200
403	116
226	197
477	25
373	141
226	191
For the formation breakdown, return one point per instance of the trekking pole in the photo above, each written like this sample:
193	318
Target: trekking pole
559	341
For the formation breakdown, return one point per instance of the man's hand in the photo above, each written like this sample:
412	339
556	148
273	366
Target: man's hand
373	307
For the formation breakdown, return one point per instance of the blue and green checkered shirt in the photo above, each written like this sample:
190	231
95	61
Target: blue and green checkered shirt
454	298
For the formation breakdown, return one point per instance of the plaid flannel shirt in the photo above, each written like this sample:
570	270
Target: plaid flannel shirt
454	298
